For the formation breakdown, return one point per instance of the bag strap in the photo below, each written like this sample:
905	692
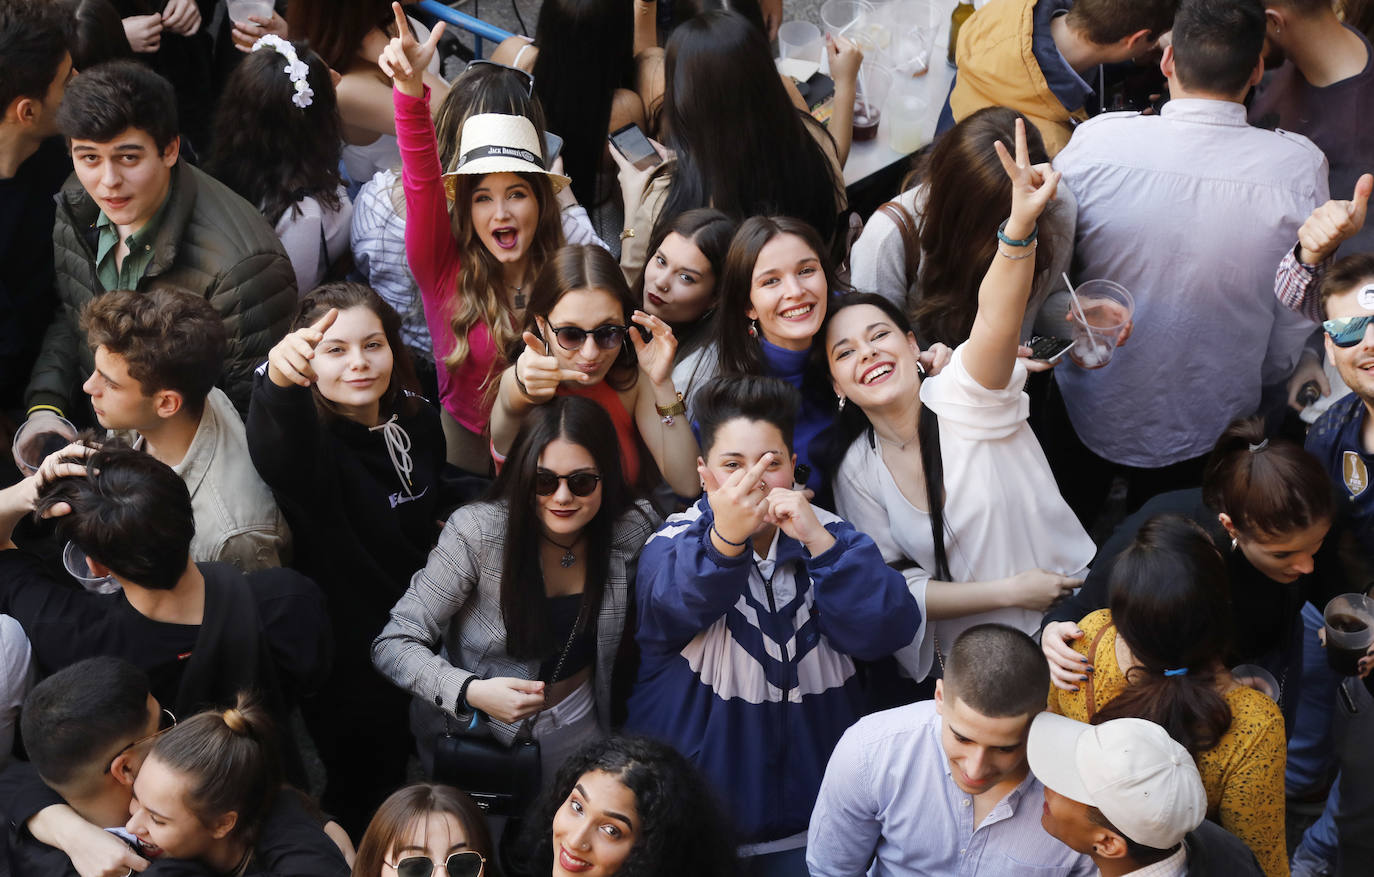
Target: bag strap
911	246
1092	662
526	731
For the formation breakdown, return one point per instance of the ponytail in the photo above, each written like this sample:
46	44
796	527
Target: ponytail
231	762
1268	487
1169	600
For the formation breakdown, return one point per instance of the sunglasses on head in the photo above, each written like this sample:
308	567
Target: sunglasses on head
580	483
166	721
1346	331
523	74
607	337
468	863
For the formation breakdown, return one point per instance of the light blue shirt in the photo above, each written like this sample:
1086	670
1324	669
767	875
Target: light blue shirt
1191	211
888	790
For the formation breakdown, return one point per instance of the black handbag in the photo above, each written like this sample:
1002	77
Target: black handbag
503	780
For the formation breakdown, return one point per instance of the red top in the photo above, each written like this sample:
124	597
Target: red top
626	432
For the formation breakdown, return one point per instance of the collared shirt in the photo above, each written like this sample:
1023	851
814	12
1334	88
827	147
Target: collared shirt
1294	280
128	273
1174	866
1190	211
888	791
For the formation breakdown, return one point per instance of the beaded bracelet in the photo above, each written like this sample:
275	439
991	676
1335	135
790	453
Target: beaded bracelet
1013	242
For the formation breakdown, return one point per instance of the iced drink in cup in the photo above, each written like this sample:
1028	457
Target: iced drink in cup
1349	632
1106	307
39	437
240	10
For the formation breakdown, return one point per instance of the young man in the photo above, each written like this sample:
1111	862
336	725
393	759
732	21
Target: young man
1322	90
34	69
202	632
1033	55
1187	210
942	787
134	217
157	356
88	729
1129	796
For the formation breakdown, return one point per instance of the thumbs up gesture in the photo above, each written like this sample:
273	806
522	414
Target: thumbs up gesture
1332	223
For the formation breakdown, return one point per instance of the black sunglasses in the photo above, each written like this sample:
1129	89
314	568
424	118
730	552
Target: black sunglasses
524	74
572	337
468	863
580	483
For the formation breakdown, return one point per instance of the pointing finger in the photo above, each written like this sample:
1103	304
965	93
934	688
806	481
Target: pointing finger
402	26
323	323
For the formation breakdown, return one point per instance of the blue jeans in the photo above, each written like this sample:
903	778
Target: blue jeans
1317	851
1310	750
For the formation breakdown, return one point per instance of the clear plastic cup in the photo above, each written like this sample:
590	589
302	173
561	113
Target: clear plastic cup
799	49
845	17
38	437
74	560
1256	677
1349	632
240	10
909	120
1107	307
873	86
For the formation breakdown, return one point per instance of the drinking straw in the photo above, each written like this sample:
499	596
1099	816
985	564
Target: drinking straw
1078	307
863	87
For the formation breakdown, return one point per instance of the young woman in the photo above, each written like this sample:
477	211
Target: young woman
774	292
720	77
424	827
753	607
575	344
632	807
944	473
350	36
210	791
1157	654
679	282
475	260
928	250
531	624
354	459
287	161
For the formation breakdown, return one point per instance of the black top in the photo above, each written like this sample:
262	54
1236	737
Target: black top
291	842
27	298
563	612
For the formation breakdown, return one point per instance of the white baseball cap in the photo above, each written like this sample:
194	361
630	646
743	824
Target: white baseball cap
1142	780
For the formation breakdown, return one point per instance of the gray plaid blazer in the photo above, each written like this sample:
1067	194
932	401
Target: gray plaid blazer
455	602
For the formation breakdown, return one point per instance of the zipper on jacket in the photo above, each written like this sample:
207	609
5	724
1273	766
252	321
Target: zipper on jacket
786	686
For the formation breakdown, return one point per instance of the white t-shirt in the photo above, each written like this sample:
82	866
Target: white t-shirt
1003	511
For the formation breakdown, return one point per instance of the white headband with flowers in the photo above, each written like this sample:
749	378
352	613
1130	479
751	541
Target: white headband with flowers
295	68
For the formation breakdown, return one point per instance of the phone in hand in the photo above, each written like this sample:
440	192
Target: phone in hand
1048	348
635	146
553	144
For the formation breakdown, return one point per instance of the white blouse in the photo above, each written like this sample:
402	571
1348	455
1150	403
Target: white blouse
314	237
1003	511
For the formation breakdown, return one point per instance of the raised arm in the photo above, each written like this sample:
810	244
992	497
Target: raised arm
533	380
992	345
668	436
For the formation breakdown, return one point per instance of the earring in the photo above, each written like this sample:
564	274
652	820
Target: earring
920	370
842	401
753	329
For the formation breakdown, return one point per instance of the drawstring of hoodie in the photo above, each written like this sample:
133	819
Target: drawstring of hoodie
398	449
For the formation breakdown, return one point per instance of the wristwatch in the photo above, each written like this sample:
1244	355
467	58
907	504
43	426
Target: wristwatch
668	412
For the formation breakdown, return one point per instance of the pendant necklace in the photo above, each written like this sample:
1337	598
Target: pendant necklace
519	297
900	446
568	558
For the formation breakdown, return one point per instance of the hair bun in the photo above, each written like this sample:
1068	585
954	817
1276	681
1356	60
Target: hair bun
235	721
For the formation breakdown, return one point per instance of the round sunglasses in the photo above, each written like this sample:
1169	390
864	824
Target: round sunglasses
580	483
468	863
607	337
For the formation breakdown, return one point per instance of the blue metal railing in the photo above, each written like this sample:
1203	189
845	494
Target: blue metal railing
475	26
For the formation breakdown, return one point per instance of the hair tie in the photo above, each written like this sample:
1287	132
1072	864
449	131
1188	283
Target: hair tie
233	719
1181	671
295	68
1264	443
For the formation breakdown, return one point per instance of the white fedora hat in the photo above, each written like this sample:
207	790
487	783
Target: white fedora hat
494	143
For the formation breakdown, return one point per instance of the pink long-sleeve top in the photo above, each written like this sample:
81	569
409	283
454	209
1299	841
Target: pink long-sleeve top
435	261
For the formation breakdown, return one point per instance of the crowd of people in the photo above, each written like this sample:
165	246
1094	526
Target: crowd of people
406	477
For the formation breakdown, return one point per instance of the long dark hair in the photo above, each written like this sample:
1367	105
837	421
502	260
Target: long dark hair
852	423
580	267
336	27
742	146
681	833
407	808
1268	487
1170	602
286	152
956	232
581	422
586	52
401	394
97	33
710	231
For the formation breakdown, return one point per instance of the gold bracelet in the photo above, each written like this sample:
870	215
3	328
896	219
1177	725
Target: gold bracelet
668	412
627	233
1030	251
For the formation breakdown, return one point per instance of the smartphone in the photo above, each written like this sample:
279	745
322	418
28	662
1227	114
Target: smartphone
1048	348
553	144
635	146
